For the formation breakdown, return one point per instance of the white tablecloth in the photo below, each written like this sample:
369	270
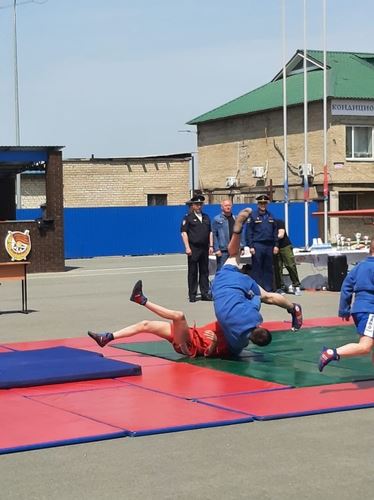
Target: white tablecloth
319	257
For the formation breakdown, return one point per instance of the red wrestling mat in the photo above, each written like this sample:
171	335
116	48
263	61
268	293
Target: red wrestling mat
167	397
308	323
27	425
78	343
301	401
74	412
42	417
138	411
68	387
192	382
326	322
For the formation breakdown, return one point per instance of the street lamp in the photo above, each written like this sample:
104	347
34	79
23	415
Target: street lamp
16	96
16	99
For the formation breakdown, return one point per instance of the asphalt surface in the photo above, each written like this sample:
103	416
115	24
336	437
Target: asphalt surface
323	456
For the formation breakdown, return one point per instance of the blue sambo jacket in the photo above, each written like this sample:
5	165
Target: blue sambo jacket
359	281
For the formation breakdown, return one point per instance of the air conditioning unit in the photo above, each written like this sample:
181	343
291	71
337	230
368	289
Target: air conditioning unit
306	169
231	182
258	172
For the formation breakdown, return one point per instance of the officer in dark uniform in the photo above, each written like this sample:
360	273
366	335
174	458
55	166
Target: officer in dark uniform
262	239
198	241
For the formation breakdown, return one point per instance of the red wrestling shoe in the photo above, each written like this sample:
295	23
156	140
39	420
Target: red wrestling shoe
137	294
102	339
327	355
297	317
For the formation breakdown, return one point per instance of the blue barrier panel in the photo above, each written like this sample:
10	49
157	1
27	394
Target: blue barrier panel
28	213
106	231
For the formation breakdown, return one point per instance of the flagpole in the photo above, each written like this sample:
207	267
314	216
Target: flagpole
305	173
285	185
325	169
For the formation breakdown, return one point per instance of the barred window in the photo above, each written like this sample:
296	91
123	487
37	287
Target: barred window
359	142
157	199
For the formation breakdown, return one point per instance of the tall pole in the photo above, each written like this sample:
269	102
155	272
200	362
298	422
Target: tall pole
192	174
193	162
325	169
285	183
16	100
305	173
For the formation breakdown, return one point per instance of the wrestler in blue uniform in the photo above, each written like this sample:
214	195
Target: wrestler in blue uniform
237	302
359	281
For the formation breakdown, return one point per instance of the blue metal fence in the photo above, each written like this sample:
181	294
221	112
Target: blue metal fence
94	232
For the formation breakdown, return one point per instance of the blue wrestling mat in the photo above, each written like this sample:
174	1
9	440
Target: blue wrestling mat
57	365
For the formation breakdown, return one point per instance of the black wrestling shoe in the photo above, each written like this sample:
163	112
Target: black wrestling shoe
102	339
192	299
137	294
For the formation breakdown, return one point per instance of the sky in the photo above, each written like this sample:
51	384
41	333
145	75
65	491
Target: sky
118	78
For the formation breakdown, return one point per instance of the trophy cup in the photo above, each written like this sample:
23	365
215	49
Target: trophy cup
338	236
358	239
349	243
342	239
366	240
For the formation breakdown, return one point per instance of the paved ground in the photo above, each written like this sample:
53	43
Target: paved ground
323	456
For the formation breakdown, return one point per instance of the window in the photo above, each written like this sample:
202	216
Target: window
359	142
348	201
157	199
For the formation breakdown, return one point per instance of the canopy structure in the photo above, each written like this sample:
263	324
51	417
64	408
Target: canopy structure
46	230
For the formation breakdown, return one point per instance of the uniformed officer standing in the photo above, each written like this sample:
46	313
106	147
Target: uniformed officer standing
285	258
262	239
198	241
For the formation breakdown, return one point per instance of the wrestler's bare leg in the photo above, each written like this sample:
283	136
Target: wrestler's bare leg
163	329
279	300
275	299
234	244
181	328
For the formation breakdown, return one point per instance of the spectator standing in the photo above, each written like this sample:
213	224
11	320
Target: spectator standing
198	241
262	239
285	258
222	229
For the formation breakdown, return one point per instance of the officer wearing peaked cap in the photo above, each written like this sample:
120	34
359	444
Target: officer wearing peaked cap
262	239
199	198
198	241
263	197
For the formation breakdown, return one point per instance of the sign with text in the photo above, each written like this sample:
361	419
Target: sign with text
352	107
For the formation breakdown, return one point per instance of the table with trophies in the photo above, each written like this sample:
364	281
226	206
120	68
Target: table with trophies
355	249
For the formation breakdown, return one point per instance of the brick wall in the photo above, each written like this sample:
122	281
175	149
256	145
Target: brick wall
33	190
99	183
240	143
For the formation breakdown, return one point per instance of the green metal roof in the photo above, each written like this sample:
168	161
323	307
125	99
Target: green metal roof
349	75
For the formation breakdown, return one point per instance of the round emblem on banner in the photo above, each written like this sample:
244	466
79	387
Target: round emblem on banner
18	244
